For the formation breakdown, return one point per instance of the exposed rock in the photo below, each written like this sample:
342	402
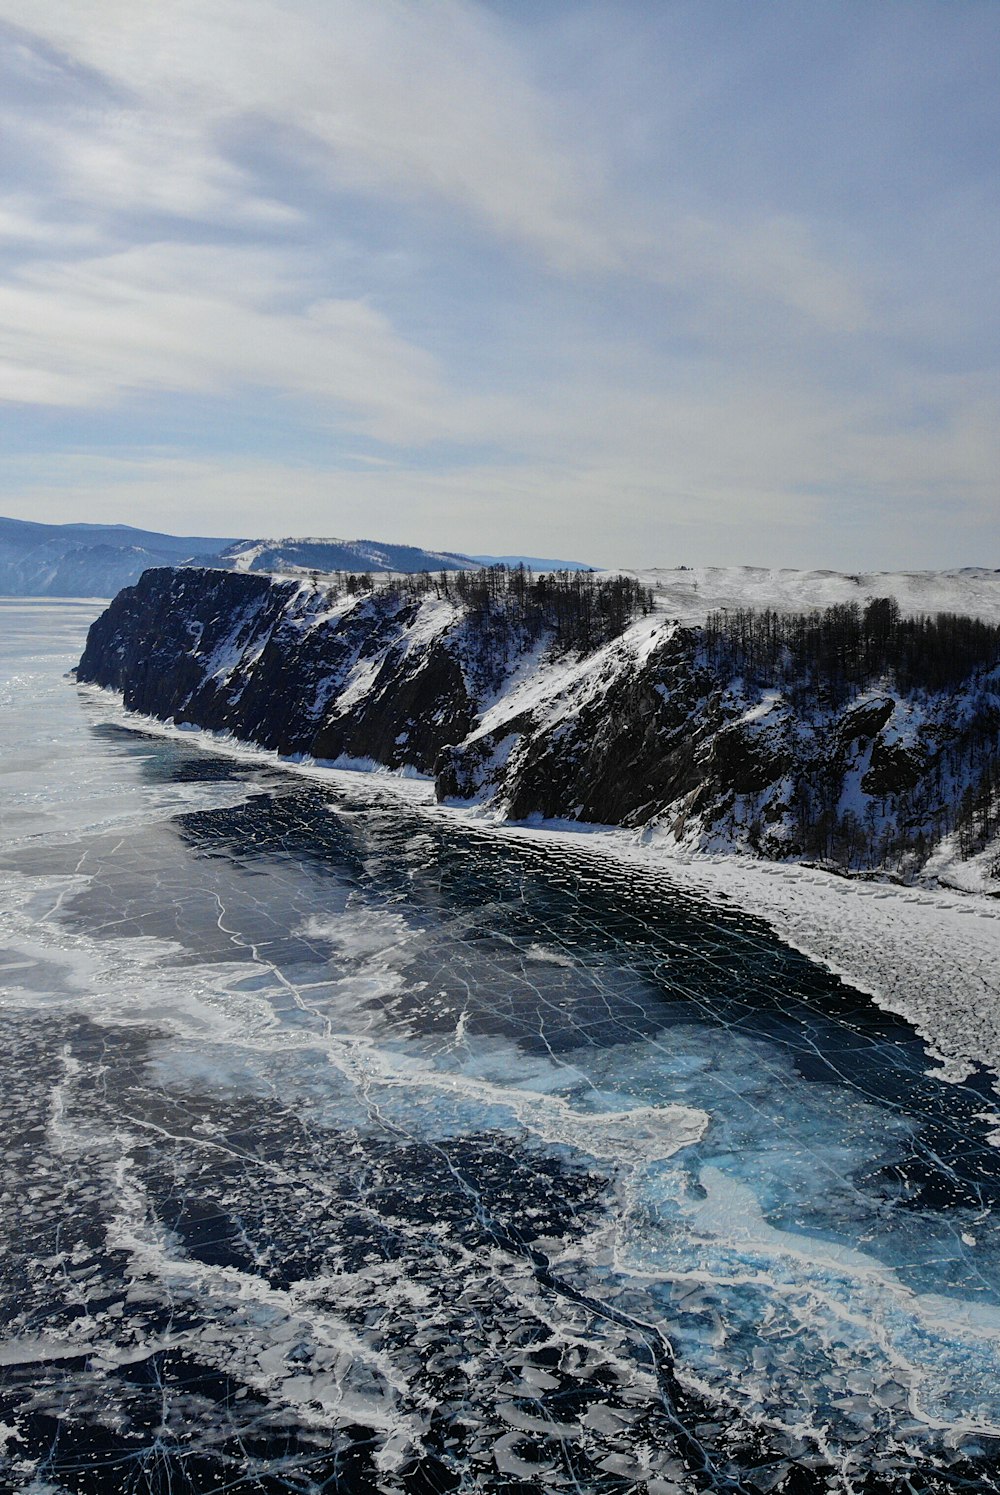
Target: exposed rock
865	721
278	664
639	731
894	769
744	761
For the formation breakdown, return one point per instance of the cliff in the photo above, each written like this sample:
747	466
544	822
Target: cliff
638	721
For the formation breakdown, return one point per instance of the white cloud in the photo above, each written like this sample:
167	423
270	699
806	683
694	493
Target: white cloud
690	360
774	258
621	480
403	100
130	162
186	318
26	221
407	100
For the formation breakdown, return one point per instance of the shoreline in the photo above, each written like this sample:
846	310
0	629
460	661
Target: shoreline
928	955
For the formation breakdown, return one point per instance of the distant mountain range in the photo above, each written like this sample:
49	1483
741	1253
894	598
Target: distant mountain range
97	560
313	554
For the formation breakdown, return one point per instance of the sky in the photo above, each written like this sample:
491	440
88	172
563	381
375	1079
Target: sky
638	282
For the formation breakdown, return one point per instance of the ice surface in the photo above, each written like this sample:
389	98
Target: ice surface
354	1146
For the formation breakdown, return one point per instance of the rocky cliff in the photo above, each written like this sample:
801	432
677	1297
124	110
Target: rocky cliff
647	728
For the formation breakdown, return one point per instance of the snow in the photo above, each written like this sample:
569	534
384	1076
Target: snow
551	688
767	703
434	615
234	649
360	679
538	682
969	875
689	593
243	559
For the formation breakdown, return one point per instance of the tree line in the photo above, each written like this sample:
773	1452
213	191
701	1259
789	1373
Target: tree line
578	609
846	648
830	655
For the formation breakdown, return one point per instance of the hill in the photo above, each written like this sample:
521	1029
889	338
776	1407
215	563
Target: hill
97	560
859	734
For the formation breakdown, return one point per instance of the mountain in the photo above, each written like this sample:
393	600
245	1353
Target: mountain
84	560
97	560
26	533
332	555
861	734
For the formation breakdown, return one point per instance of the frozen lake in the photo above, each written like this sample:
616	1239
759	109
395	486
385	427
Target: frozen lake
347	1149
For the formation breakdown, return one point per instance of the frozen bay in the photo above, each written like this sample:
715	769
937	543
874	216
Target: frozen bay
347	1149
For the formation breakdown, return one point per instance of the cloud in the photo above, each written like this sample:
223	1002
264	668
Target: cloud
194	318
427	256
26	221
407	100
774	258
644	480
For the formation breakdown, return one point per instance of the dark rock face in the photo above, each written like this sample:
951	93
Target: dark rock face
744	763
642	731
630	748
263	659
864	722
894	769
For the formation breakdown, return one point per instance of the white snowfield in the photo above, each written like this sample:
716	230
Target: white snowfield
243	559
364	554
689	593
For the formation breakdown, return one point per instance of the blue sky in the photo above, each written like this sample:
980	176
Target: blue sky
644	283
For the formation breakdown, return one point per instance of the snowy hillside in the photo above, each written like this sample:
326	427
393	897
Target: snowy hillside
84	560
332	555
854	737
96	560
690	592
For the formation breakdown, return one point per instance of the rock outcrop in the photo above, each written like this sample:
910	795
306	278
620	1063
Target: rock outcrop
641	731
276	663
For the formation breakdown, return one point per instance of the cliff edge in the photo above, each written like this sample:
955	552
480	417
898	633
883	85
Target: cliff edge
851	735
